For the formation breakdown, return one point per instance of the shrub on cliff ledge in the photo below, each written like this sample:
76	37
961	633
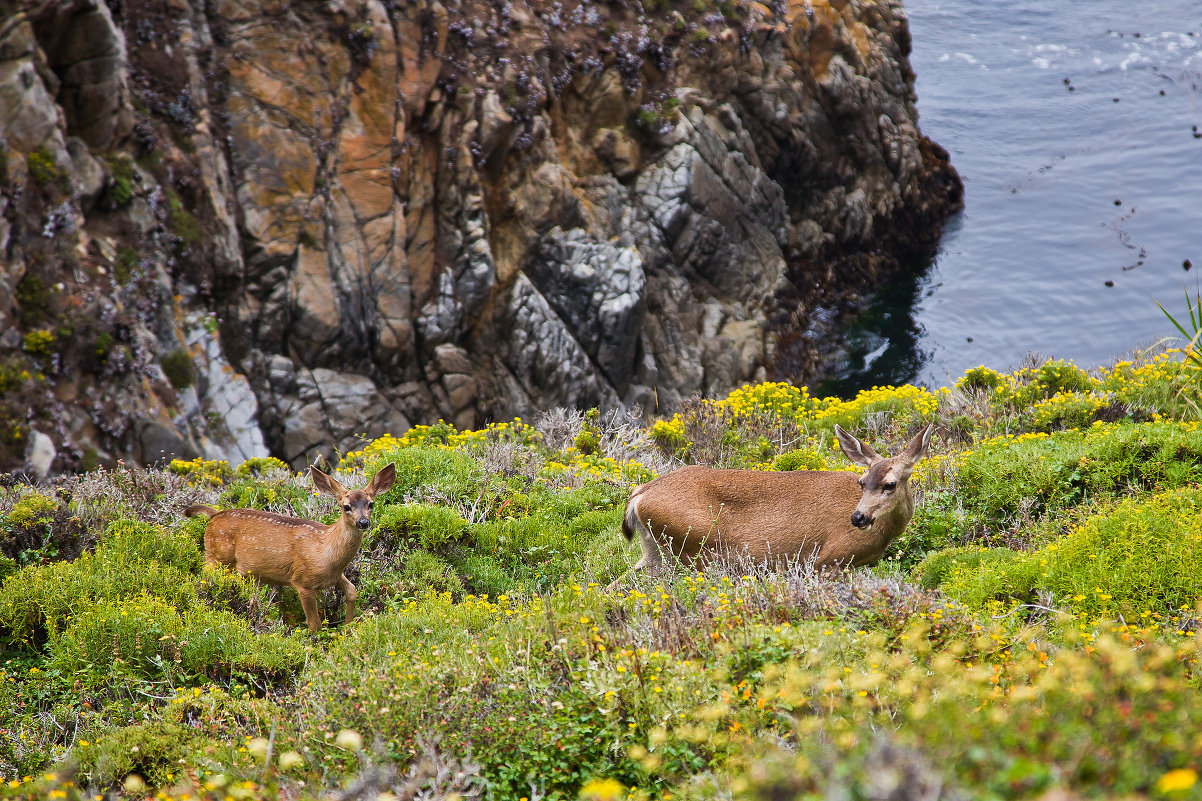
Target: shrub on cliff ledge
177	366
45	170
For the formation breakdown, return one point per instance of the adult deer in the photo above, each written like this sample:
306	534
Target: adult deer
833	517
277	549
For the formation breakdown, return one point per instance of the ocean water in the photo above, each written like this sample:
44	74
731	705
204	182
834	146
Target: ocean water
1073	126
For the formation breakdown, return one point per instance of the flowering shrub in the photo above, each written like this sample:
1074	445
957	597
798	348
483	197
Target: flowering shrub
441	435
1030	384
908	404
982	378
670	435
807	459
1024	724
755	424
777	398
1162	387
1066	410
258	466
210	472
911	404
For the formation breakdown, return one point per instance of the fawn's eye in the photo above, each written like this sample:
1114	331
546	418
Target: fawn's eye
346	507
369	504
891	485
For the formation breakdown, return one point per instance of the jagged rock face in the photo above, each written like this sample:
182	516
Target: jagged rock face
353	216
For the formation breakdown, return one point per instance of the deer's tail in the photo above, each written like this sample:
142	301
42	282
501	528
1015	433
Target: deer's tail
199	509
630	521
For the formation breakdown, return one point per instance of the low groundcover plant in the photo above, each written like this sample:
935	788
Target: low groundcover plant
1033	631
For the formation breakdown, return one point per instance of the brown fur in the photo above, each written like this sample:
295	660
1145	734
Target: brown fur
309	556
696	513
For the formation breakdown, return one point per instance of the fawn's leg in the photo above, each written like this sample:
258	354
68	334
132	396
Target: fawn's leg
351	595
308	599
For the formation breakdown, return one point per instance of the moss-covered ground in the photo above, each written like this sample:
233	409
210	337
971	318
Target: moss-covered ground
1032	634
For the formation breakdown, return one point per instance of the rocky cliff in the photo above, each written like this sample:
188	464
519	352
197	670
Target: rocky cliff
235	227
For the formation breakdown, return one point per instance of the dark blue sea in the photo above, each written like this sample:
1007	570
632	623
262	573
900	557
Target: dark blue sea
1073	125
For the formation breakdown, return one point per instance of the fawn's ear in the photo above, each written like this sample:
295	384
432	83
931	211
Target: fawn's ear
382	481
326	484
859	452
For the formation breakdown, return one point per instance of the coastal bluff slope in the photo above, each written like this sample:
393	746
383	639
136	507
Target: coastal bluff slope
238	228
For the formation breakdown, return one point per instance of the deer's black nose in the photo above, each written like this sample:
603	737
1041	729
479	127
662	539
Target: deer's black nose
363	523
860	520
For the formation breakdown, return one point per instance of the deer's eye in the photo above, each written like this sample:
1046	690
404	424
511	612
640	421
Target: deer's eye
346	507
890	485
369	504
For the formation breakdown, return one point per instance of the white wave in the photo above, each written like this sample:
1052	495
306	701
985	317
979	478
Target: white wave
1135	58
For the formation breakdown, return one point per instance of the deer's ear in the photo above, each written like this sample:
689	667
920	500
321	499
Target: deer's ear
859	452
382	481
919	445
326	484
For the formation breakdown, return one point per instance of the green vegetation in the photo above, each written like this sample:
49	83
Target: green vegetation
33	300
1126	560
39	342
1192	352
1037	473
658	116
1033	632
203	471
177	366
104	342
126	263
121	185
13	374
44	170
183	223
1192	355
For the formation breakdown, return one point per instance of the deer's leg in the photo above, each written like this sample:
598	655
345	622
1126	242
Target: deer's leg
653	557
308	599
351	595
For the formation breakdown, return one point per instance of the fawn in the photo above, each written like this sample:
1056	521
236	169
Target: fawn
277	549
